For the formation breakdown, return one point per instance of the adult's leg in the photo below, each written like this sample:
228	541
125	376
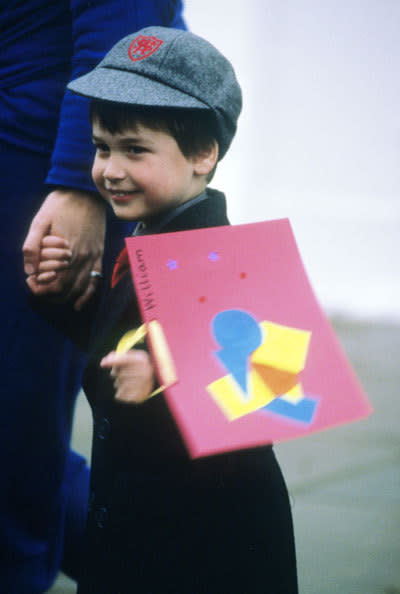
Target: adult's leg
41	375
44	484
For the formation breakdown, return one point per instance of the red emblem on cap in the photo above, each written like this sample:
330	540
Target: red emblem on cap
143	46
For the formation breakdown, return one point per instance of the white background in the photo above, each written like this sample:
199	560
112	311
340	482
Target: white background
319	136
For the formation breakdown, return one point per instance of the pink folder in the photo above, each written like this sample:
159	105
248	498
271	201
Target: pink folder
256	359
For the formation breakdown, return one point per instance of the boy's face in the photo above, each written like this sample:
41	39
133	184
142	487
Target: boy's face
141	171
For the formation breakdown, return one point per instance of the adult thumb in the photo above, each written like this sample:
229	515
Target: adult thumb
31	248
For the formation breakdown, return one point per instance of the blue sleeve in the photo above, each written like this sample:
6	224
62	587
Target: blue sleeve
96	27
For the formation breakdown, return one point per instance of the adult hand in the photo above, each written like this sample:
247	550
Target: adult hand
78	217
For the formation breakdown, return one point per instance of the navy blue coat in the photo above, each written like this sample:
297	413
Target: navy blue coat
158	522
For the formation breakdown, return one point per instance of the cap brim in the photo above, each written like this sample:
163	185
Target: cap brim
122	86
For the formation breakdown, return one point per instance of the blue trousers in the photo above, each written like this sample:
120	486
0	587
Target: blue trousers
43	483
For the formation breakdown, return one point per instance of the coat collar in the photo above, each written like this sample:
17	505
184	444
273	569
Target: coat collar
206	210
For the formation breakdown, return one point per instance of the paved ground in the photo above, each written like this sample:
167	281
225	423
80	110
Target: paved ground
344	483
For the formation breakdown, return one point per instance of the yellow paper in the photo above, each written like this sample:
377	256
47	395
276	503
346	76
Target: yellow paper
160	347
131	338
233	402
283	347
294	395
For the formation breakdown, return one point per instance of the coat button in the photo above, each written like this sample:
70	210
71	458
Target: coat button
103	428
101	515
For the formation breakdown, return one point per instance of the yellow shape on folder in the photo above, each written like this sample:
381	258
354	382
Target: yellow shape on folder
294	395
283	348
232	400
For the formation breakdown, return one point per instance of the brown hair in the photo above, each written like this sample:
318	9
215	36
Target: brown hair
194	130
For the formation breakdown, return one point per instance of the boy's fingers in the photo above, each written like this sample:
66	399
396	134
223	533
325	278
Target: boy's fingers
40	289
46	277
133	375
124	394
54	241
48	265
123	359
108	360
115	361
125	365
52	253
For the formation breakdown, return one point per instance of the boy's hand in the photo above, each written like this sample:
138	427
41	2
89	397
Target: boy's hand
55	256
133	374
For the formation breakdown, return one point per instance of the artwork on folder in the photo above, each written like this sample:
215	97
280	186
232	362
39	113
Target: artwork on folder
255	359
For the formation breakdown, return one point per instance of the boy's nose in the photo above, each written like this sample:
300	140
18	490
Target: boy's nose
113	169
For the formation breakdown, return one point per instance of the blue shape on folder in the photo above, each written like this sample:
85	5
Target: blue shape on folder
303	411
239	334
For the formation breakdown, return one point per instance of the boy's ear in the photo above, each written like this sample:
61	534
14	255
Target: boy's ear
204	162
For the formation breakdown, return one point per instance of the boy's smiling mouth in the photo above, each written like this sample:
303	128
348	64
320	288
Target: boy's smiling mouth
121	196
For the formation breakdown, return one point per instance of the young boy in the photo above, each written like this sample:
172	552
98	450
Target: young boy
164	109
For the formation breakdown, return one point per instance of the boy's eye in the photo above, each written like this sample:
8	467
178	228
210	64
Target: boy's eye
101	148
136	149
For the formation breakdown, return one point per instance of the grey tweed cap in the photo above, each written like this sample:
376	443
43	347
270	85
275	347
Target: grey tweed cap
164	67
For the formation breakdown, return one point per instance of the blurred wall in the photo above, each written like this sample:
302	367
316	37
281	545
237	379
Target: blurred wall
319	136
